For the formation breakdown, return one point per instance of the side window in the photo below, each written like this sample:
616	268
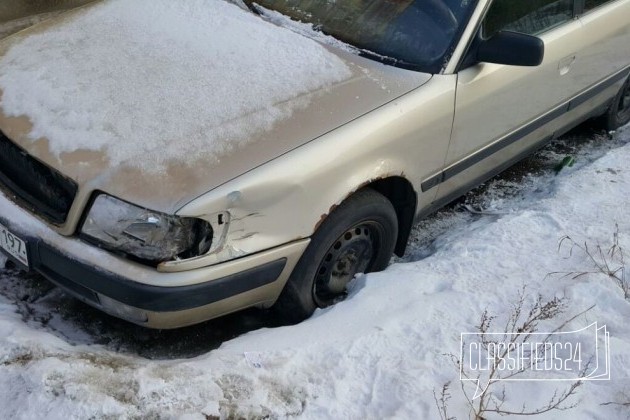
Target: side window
530	17
591	4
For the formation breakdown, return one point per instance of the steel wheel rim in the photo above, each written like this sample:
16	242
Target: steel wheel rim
353	252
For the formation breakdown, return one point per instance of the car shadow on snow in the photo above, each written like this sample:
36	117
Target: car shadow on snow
44	306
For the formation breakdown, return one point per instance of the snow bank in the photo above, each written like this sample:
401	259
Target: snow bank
150	80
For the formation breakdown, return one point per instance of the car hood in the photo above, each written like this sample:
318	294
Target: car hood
157	103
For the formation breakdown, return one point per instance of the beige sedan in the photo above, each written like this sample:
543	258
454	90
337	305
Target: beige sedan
171	162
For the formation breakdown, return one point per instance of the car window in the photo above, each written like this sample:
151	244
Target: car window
591	4
530	17
417	34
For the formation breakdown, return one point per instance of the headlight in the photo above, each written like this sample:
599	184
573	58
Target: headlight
144	234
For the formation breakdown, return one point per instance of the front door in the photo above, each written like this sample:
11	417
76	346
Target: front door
504	111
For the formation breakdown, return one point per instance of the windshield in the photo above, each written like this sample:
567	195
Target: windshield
417	34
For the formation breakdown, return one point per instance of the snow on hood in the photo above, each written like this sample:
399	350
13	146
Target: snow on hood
158	102
150	80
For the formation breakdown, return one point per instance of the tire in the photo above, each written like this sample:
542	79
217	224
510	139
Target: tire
618	114
358	236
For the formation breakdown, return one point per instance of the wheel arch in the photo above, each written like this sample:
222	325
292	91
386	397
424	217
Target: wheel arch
399	191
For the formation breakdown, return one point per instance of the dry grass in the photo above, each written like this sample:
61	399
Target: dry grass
608	261
521	324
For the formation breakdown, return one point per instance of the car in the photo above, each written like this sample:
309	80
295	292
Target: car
172	162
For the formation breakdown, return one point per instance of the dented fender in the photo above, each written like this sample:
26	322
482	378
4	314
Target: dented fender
288	198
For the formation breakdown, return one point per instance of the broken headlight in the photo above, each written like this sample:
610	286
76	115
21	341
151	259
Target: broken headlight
143	234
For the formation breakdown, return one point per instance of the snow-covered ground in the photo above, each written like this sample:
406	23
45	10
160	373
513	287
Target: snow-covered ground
381	352
10	27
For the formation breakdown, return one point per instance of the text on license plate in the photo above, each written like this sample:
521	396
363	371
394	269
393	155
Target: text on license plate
13	245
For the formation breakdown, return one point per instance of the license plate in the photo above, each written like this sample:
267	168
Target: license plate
13	245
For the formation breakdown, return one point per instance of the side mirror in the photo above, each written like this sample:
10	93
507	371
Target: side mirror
512	49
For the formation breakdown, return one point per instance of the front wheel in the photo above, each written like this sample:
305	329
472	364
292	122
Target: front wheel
357	237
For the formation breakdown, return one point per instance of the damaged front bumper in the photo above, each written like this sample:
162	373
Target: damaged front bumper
141	294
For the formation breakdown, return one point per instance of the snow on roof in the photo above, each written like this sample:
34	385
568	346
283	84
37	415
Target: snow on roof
150	80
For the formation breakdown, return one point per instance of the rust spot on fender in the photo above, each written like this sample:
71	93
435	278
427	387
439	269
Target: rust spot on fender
319	222
360	186
324	216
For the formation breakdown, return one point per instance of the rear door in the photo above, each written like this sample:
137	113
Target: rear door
606	49
602	64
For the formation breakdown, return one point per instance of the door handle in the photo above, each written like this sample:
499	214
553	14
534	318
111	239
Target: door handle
565	64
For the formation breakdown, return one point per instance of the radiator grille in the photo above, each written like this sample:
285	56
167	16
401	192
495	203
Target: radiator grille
47	192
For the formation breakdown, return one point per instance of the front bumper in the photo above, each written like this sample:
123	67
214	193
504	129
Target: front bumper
143	295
